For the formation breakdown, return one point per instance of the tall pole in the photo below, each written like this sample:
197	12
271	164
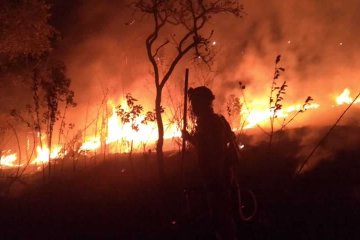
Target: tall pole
297	173
184	119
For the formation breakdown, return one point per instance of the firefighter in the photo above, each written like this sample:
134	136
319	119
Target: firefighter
211	136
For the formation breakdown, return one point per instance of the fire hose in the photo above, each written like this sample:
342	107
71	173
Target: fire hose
242	206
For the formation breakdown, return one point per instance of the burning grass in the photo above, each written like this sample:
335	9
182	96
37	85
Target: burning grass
120	133
106	198
103	182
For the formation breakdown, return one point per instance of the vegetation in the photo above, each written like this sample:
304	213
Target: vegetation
104	201
131	115
25	31
51	92
26	44
188	21
276	103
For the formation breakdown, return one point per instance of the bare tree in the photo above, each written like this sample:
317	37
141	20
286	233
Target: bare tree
51	90
189	18
56	87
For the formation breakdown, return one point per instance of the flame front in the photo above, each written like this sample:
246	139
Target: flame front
118	131
43	154
256	117
120	137
260	115
92	143
122	133
8	160
344	98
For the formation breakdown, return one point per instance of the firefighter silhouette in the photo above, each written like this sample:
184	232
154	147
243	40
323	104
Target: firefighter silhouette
211	136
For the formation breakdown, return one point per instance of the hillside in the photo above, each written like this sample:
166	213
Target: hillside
113	200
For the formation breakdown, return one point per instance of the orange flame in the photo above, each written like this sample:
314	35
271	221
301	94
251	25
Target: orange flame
8	160
256	117
344	98
42	156
92	143
119	132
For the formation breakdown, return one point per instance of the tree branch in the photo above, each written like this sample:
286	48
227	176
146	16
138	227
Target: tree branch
162	45
175	62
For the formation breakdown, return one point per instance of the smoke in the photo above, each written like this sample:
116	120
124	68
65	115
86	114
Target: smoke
104	54
314	37
103	46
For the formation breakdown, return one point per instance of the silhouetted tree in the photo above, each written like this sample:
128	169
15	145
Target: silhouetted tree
56	88
188	19
26	40
26	43
51	90
25	31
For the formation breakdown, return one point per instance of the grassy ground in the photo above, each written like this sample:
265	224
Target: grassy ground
112	200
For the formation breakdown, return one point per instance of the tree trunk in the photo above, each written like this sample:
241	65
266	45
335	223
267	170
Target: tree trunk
49	155
132	167
160	142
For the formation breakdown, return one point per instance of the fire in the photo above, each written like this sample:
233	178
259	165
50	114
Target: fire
114	126
261	115
256	117
42	156
123	137
344	98
118	131
8	160
123	133
298	107
92	143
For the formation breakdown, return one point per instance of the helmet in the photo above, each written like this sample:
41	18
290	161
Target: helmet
201	94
